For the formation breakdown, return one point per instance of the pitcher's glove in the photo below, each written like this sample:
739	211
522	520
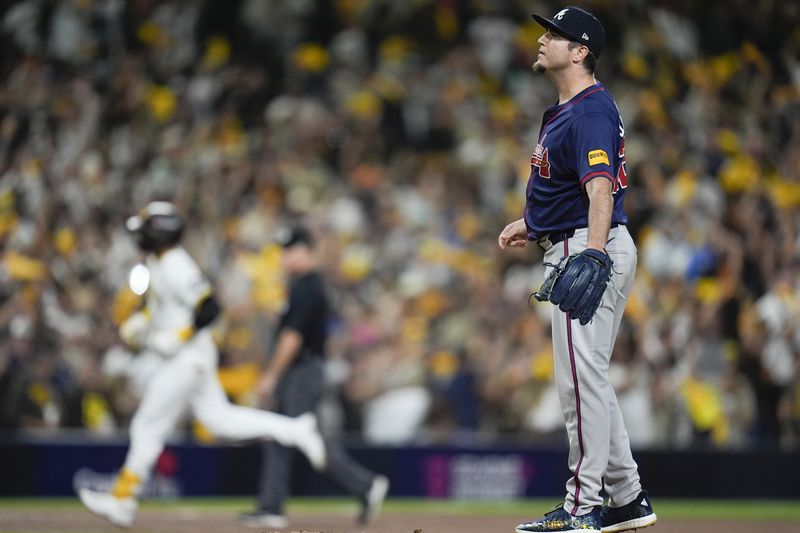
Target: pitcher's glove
577	286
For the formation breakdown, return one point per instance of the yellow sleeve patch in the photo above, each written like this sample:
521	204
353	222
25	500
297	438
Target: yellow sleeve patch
598	156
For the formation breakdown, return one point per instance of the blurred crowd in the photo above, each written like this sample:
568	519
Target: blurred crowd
400	133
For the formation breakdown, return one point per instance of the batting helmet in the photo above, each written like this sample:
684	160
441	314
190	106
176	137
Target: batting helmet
157	227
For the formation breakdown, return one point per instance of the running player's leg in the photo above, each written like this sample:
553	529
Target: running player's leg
224	420
164	401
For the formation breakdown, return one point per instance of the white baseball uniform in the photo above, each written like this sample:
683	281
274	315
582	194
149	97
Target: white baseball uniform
187	379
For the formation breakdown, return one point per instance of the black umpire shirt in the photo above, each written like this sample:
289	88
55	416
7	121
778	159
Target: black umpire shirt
307	313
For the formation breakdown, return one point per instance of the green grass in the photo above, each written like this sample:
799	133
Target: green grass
747	510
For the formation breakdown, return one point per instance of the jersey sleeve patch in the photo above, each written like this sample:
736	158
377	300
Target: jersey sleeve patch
597	157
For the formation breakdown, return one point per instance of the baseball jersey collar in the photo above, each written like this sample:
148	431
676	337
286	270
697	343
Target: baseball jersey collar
580	94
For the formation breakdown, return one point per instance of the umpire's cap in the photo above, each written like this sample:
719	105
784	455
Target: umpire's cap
579	25
292	236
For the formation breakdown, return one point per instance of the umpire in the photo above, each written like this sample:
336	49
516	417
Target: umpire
293	384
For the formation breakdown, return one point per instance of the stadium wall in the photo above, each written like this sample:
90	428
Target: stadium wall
47	467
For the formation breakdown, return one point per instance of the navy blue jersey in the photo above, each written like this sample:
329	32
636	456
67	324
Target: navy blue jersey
580	140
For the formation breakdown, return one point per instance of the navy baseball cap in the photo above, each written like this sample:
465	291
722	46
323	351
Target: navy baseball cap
579	25
288	237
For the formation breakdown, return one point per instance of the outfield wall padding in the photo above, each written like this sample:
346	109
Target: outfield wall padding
49	467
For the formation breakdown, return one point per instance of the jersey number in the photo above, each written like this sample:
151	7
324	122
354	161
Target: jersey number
622	174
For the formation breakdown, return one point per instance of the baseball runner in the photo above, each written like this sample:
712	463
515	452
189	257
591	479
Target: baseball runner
574	210
179	306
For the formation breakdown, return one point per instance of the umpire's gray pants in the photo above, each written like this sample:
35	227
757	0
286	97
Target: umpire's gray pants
298	392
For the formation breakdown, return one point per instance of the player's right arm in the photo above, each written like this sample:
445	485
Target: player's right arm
133	331
514	235
601	206
595	137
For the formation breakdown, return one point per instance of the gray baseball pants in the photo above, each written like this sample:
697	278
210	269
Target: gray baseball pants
599	451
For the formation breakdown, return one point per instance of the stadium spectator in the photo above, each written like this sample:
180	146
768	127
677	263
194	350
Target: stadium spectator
393	129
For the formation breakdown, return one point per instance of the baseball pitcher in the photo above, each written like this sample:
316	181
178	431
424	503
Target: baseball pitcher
574	210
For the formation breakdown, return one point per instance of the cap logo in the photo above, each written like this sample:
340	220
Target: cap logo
584	36
560	14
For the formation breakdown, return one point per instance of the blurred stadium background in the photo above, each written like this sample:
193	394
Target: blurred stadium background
400	132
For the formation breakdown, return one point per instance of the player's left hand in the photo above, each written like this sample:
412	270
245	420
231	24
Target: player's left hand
578	286
514	235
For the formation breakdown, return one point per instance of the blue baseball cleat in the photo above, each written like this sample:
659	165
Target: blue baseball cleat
560	520
634	515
